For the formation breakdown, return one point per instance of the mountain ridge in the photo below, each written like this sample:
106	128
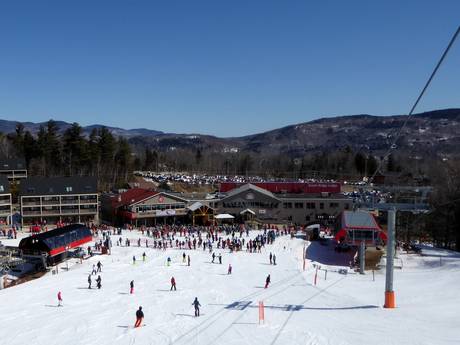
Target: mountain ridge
431	132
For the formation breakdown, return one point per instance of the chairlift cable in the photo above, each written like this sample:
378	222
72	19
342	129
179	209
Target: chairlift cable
393	145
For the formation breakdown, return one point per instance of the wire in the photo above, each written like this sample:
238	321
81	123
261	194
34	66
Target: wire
398	134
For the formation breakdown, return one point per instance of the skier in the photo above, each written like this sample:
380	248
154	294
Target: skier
229	269
271	256
188	260
220	258
213	257
139	317
89	281
99	281
267	281
274	259
183	257
143	256
197	306
59	296
99	267
173	284
134	260
94	270
131	287
168	261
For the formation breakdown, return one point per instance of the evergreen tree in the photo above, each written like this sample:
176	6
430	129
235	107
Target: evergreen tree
74	150
123	160
360	163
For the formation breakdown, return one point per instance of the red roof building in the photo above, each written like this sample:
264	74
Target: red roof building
139	206
288	187
354	227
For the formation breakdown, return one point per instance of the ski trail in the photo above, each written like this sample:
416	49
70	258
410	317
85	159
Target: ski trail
301	303
214	318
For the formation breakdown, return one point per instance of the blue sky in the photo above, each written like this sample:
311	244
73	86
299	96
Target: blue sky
226	68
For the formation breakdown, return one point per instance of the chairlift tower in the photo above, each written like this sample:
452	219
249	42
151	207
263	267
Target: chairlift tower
389	292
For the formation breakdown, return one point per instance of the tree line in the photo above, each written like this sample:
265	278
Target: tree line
52	153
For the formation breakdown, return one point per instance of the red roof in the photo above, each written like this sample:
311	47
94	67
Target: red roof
132	196
288	187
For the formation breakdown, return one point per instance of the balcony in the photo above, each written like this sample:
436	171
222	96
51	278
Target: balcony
27	202
50	202
26	213
70	201
88	201
51	212
88	210
69	211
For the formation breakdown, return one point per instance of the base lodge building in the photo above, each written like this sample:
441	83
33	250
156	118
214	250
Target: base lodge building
59	200
295	203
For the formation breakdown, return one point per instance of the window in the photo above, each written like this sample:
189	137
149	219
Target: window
347	206
298	205
307	218
30	190
68	189
287	204
311	205
321	205
333	204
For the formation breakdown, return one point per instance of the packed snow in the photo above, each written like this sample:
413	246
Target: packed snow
342	309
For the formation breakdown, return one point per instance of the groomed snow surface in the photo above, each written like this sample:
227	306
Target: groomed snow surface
344	309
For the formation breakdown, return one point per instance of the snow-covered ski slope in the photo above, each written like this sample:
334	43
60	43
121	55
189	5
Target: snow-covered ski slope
344	309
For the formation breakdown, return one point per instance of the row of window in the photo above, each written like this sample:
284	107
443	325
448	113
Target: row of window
148	208
63	199
311	205
245	204
68	189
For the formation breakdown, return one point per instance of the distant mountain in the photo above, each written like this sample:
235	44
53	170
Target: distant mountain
10	126
430	133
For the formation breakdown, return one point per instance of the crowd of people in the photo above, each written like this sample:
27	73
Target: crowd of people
231	238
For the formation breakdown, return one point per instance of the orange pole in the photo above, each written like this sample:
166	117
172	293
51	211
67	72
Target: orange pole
390	301
261	312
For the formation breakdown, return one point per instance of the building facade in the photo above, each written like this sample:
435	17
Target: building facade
297	208
144	207
59	200
5	201
248	202
13	169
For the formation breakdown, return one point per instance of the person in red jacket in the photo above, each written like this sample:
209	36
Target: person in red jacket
59	296
173	284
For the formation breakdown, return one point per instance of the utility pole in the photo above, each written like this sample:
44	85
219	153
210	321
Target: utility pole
389	293
362	257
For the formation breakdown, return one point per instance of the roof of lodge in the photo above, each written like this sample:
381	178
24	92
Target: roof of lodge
359	219
313	196
58	185
12	164
249	186
132	196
